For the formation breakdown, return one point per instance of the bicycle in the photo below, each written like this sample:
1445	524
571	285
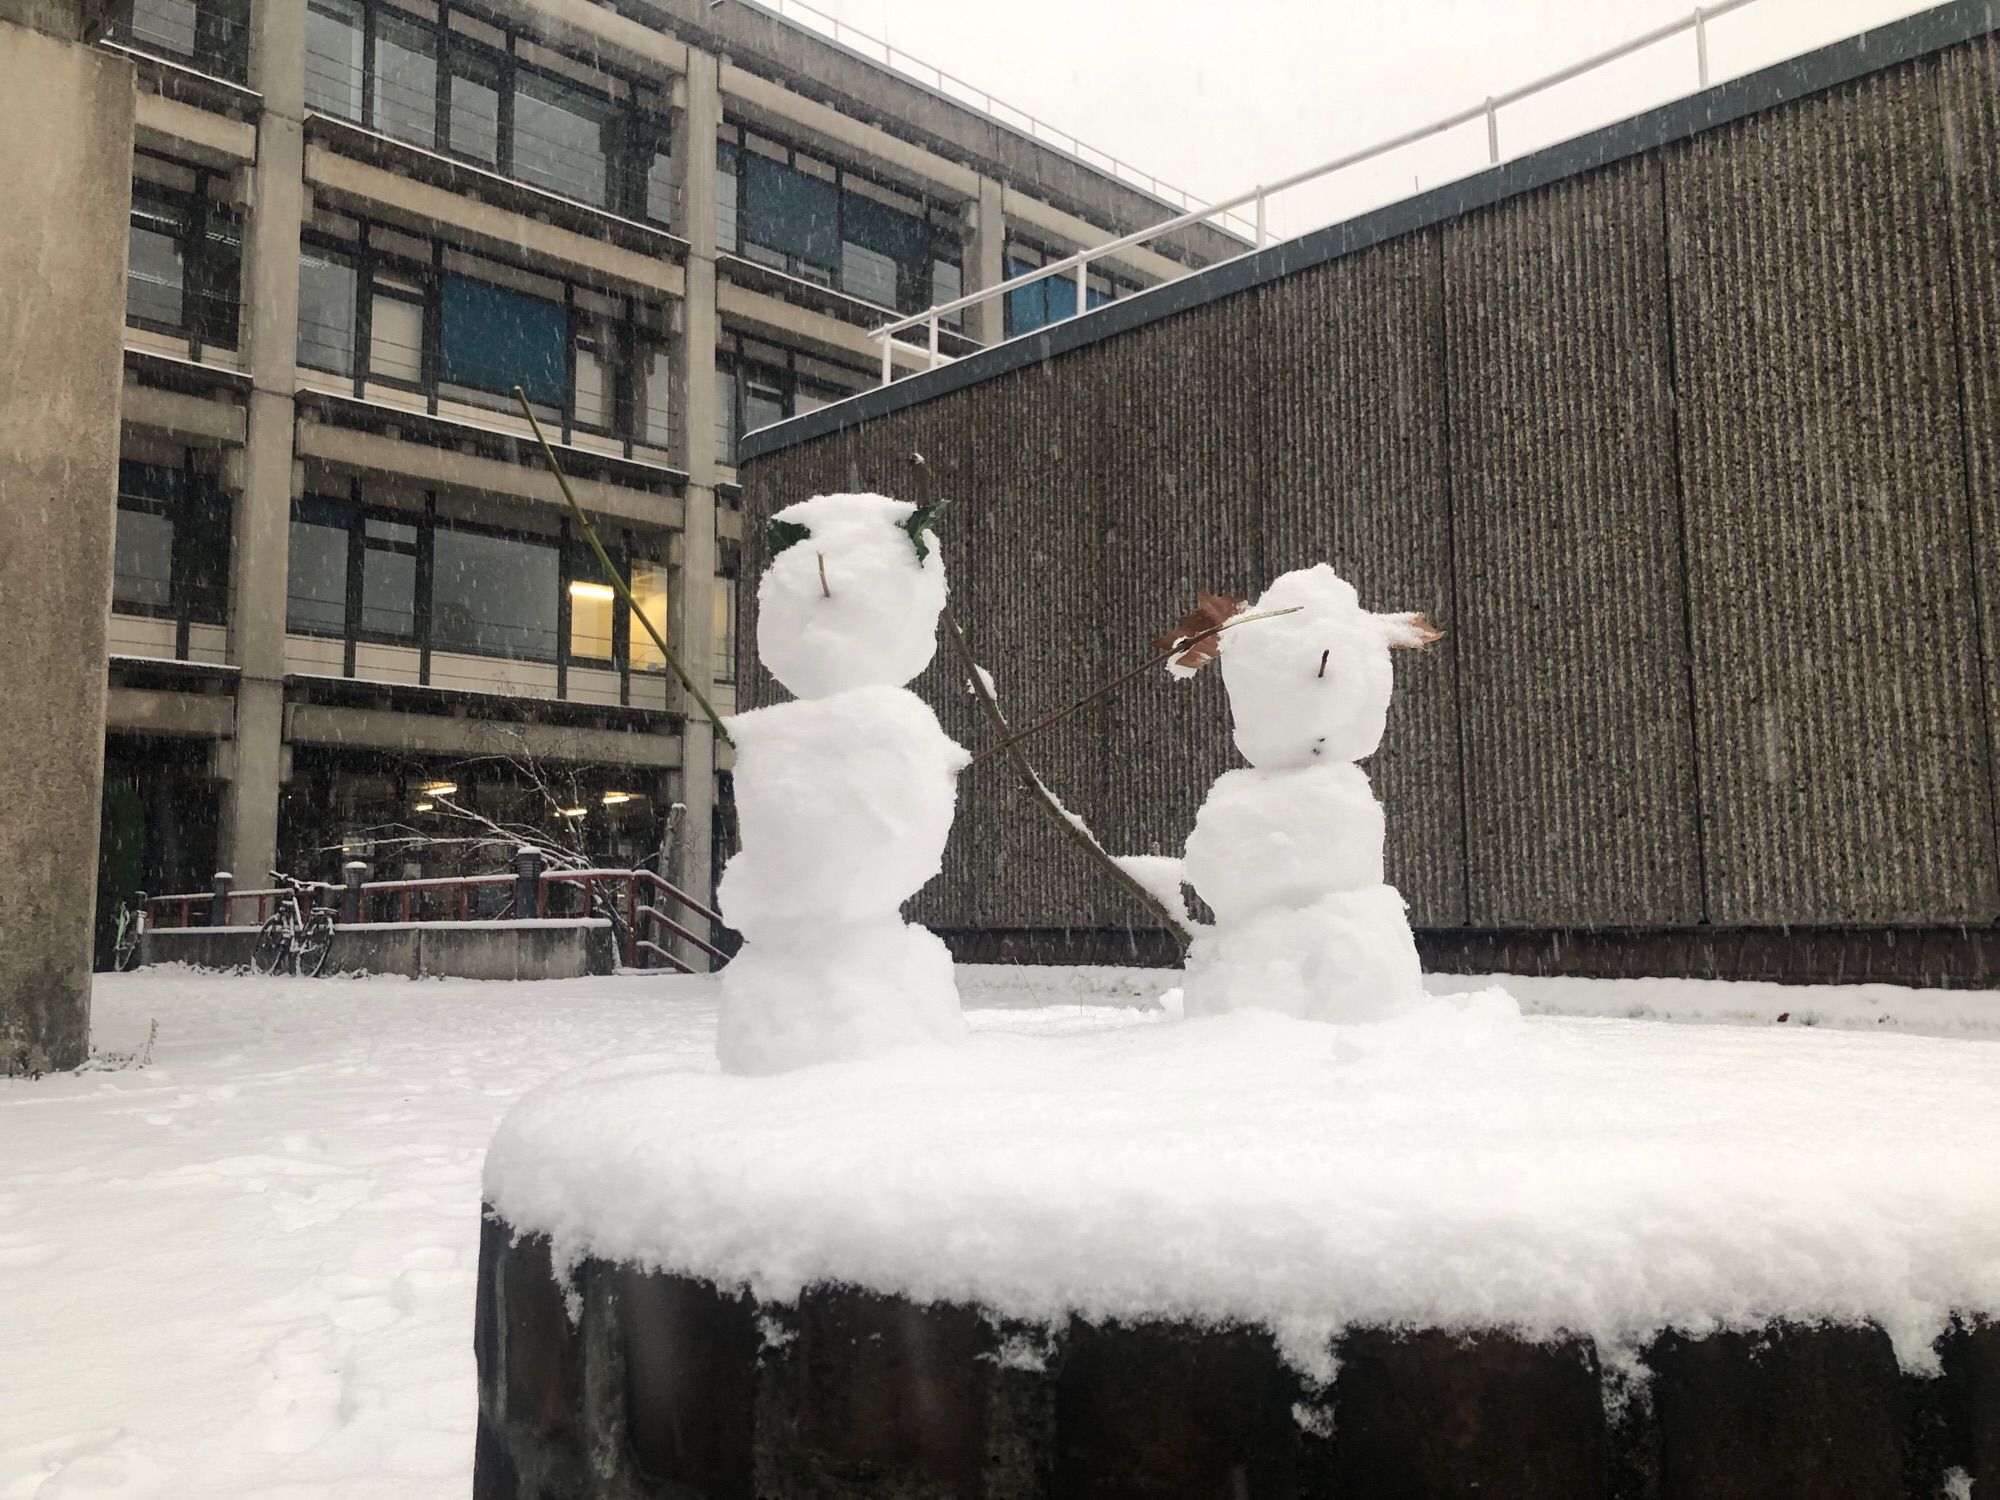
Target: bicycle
128	933
298	935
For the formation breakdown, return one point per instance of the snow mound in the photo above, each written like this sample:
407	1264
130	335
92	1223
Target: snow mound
1457	1167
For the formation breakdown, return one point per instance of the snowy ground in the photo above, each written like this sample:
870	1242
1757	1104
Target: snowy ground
247	1267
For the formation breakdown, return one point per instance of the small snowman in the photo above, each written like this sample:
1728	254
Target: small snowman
1288	852
844	798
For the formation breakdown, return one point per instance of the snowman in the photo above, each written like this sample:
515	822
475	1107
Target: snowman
1288	852
844	797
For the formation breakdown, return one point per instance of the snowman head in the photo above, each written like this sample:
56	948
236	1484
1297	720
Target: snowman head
852	594
1313	686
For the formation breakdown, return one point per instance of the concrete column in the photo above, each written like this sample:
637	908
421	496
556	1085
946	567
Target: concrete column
66	178
263	511
986	262
693	601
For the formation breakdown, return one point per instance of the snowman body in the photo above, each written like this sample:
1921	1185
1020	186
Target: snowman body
1288	852
844	801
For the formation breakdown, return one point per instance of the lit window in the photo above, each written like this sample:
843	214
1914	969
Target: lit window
593	605
649	592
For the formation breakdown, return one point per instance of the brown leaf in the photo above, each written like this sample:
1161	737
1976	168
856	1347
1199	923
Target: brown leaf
1410	632
1211	611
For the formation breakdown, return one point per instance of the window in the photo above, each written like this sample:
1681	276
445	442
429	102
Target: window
171	554
396	338
559	137
725	629
334	45
316	578
388	579
789	214
885	252
184	253
948	285
593	610
494	595
725	196
1053	298
210	36
156	273
475	105
649	592
655	403
758	384
405	81
492	339
326	311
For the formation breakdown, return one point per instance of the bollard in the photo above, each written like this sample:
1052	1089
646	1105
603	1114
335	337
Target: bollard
353	874
218	901
527	883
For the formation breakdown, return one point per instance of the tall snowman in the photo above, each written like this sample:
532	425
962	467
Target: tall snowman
1288	852
844	798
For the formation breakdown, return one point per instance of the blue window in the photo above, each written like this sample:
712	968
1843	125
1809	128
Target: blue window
790	213
491	339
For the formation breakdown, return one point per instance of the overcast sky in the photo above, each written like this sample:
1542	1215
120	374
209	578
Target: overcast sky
1218	95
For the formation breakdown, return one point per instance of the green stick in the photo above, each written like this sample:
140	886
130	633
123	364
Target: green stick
617	581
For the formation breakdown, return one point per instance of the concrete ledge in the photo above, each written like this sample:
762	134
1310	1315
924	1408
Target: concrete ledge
671	1386
416	950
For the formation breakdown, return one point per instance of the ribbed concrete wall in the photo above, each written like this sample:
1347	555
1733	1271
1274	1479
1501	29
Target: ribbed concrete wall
1696	456
1839	697
1572	629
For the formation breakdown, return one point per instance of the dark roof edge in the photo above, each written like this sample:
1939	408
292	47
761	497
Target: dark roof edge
1868	52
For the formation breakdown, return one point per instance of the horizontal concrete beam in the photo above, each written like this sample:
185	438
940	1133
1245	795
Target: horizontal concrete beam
841	129
1082	234
351	448
341	180
788	323
193	134
620	41
448	734
160	711
182	415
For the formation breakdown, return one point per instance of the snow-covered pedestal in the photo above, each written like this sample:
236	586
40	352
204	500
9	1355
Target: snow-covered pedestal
1454	1253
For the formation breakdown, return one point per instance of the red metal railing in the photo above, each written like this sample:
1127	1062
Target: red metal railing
647	911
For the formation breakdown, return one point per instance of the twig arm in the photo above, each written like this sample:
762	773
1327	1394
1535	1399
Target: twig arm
617	581
1071	830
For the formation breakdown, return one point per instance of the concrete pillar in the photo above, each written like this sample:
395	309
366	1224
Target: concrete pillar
693	601
263	511
66	179
986	262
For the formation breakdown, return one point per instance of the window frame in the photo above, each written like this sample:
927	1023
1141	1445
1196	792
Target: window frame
186	500
211	289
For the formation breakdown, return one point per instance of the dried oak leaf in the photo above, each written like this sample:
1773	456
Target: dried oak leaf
1210	612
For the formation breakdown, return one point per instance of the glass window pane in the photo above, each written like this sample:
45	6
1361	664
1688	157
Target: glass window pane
649	592
725	417
405	81
790	213
656	409
389	592
763	401
165	26
326	312
316	582
594	389
559	137
333	58
725	629
143	577
492	339
396	339
659	165
1027	307
495	596
593	605
1061	290
868	274
155	277
725	196
475	108
203	538
947	285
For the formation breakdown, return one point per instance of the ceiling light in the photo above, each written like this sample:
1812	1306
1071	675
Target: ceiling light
612	799
440	788
575	812
600	591
426	806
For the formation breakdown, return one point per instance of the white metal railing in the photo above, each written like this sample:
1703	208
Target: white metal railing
929	356
812	18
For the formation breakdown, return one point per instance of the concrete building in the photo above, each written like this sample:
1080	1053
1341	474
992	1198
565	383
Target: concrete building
344	580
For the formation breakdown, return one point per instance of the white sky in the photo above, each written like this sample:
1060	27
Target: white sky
1217	97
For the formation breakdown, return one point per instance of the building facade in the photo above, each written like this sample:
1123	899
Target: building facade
351	618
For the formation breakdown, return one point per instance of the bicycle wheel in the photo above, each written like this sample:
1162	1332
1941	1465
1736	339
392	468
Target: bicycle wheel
125	957
274	944
309	954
